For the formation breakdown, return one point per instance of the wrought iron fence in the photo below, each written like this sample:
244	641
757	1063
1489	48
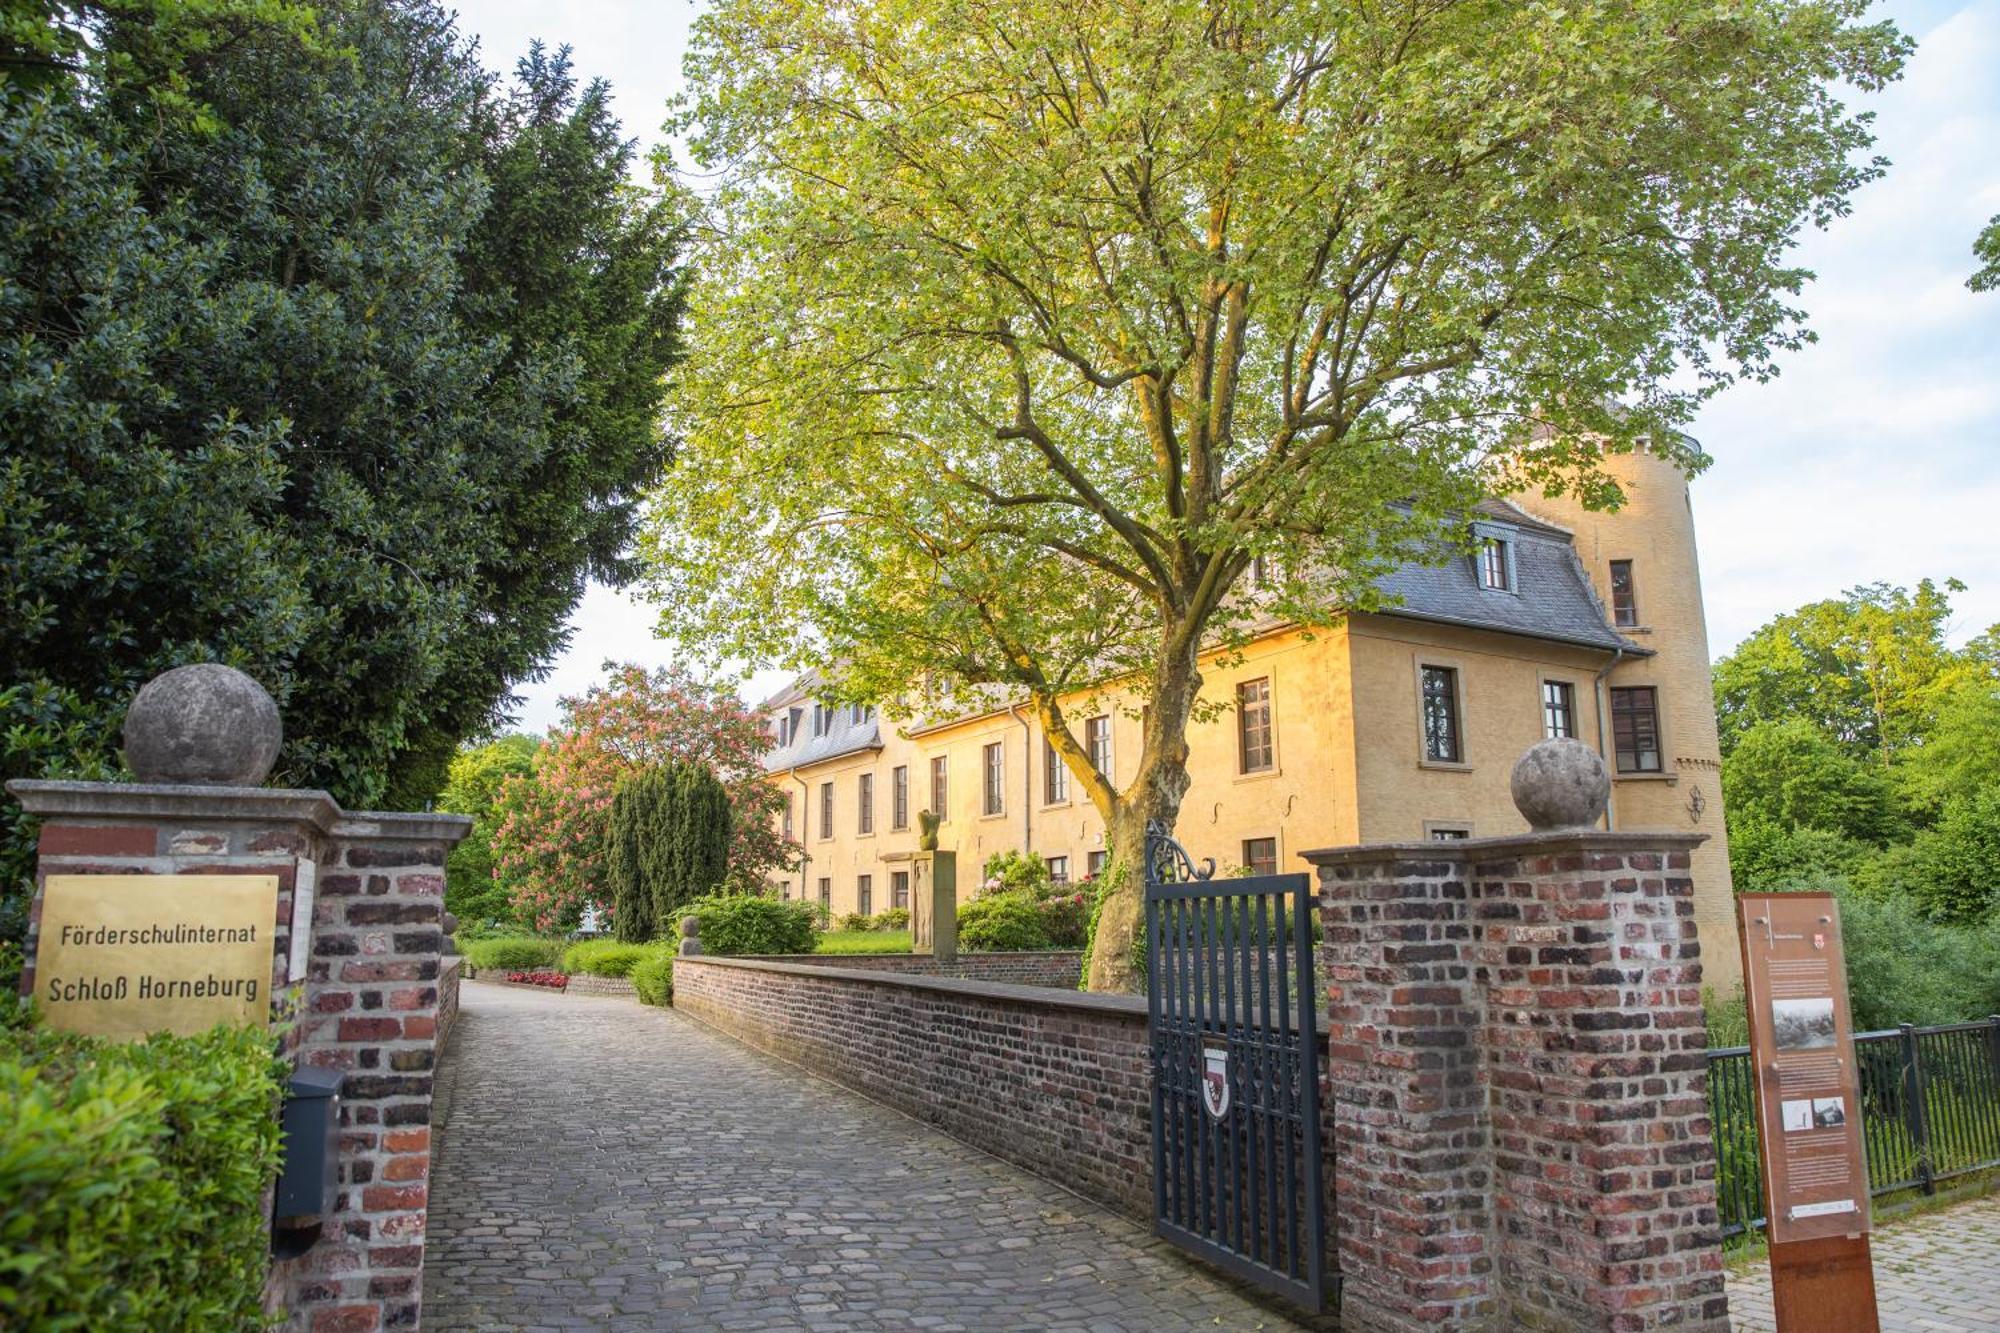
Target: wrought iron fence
1930	1110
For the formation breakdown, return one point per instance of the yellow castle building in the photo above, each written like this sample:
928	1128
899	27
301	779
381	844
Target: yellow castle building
1395	725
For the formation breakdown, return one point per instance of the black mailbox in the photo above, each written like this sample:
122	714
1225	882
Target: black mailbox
311	1174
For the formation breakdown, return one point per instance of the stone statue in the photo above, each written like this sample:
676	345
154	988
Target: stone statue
927	827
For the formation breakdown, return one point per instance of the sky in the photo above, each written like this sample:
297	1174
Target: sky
1874	456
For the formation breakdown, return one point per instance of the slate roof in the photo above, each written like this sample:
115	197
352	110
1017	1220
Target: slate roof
843	736
1551	598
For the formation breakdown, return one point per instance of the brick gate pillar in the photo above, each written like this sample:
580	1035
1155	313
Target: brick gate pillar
1518	1062
355	957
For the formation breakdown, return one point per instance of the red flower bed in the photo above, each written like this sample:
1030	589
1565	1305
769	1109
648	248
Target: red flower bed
553	980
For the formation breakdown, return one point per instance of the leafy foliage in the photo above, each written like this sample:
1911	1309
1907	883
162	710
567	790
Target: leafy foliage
669	844
554	834
506	953
1180	284
299	372
653	978
609	958
1952	870
1789	775
1867	670
473	890
134	1177
1001	922
1862	748
1015	872
873	940
743	923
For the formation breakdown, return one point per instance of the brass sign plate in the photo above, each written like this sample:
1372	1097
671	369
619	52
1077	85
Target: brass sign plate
1808	1087
122	956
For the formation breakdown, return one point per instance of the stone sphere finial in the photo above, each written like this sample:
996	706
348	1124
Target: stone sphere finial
204	725
1560	784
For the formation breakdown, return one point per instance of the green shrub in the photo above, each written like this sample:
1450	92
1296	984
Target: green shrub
1765	857
134	1179
1014	872
1065	919
894	918
751	923
1001	922
653	978
608	958
511	953
855	921
863	942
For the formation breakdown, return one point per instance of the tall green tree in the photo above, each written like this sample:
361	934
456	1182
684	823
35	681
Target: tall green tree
320	354
1790	775
473	889
1867	669
1033	324
668	845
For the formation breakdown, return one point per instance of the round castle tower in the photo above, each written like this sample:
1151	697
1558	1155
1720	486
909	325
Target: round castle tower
1642	563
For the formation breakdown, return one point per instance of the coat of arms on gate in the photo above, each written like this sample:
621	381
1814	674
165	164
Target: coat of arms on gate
1215	1081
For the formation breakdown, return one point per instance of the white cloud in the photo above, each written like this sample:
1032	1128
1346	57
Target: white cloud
1876	454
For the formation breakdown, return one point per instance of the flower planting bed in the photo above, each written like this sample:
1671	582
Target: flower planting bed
543	980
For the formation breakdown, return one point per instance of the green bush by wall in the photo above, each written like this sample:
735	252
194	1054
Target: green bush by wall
609	958
1001	923
510	953
747	923
133	1179
653	978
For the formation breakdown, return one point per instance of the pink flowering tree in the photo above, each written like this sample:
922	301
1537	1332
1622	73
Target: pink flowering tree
554	823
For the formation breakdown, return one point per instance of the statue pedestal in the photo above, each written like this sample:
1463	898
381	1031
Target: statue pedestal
934	905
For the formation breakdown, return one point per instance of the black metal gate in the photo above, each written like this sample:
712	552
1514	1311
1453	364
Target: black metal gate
1237	1176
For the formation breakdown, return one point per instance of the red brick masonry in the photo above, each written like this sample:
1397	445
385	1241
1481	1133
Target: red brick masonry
368	889
1060	968
1054	1081
1517	1055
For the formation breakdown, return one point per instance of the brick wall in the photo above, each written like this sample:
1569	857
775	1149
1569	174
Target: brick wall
1058	968
372	1011
1517	1056
1053	1081
364	894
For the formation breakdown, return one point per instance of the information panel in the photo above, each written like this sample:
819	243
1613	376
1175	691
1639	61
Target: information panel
1808	1085
122	956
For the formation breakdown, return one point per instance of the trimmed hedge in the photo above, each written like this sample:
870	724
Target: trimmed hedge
749	923
1002	923
512	953
608	958
653	978
133	1179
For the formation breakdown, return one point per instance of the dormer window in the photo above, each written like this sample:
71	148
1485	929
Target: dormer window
862	713
822	719
793	720
1496	564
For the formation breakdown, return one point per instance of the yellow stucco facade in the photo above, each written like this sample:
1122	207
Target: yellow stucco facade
1347	759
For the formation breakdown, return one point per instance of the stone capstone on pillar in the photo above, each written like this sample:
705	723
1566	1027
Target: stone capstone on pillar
1560	784
204	725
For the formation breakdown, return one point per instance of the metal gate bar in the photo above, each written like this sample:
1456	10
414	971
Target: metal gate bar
1237	1175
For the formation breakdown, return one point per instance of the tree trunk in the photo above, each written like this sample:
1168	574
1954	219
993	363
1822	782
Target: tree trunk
1154	796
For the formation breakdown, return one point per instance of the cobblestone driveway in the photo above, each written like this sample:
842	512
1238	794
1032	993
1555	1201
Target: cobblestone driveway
605	1165
1938	1273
